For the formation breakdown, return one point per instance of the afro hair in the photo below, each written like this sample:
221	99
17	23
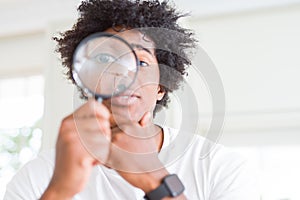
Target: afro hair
158	20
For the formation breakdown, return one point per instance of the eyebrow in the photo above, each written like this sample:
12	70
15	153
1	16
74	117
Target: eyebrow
138	46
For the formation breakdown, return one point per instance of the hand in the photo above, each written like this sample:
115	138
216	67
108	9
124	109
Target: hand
134	152
83	142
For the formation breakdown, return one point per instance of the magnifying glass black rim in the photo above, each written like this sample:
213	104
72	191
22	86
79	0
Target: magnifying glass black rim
79	82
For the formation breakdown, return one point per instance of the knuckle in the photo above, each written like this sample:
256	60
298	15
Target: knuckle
90	104
67	138
67	130
105	124
67	123
97	109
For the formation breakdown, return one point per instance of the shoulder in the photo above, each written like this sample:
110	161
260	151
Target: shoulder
199	147
33	178
222	172
202	147
230	174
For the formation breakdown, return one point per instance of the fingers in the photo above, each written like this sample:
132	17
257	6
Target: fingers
92	109
83	141
92	124
97	145
92	117
88	126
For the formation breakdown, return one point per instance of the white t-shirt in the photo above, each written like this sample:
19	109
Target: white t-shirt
208	171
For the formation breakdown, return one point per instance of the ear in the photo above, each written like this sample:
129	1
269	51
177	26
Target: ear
160	93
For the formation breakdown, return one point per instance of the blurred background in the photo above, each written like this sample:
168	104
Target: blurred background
255	46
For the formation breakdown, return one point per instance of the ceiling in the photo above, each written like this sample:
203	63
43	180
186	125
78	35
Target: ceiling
21	16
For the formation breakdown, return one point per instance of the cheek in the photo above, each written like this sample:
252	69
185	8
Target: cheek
149	96
146	85
146	103
149	75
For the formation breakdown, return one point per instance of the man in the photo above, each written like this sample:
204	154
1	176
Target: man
112	150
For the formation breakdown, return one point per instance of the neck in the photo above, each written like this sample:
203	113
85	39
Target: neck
159	137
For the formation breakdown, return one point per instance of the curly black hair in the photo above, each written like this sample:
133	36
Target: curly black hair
158	20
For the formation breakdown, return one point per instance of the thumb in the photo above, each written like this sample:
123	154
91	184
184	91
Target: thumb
146	119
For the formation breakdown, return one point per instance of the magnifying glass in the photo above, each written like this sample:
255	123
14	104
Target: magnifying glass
104	65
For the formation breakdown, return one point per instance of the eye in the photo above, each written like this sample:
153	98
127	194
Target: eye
105	58
143	64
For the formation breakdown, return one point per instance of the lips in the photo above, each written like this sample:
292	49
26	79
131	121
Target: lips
127	98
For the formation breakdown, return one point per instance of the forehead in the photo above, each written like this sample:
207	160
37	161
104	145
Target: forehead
133	36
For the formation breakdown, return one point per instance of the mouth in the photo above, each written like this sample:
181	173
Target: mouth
125	99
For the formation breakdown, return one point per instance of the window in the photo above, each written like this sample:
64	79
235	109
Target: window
21	106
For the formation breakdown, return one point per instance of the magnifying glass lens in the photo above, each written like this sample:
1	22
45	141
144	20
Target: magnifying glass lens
104	65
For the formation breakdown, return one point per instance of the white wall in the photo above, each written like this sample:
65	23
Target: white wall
58	90
22	54
255	53
257	56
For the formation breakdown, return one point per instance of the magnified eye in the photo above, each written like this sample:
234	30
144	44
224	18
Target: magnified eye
105	58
